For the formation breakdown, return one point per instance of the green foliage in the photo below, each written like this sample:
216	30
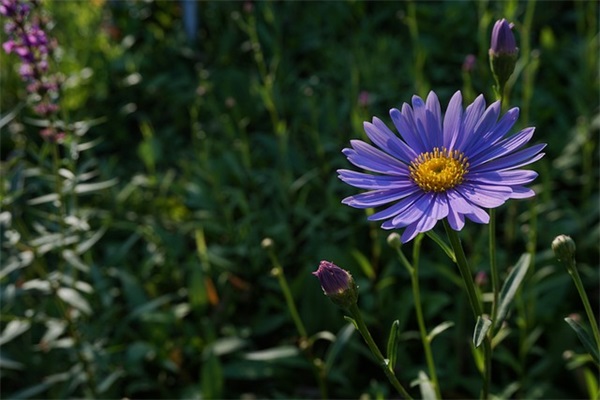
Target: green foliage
131	260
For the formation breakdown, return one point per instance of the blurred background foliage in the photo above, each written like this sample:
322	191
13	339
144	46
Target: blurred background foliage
216	141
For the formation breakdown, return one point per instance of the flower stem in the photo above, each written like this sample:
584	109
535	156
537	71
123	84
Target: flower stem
493	265
364	331
413	270
305	344
572	269
465	272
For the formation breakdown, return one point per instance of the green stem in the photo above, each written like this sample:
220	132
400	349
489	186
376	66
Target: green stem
493	265
584	298
413	270
465	272
364	331
287	293
305	345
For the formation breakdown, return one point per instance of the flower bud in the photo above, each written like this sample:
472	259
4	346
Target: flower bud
503	51
337	284
564	248
394	241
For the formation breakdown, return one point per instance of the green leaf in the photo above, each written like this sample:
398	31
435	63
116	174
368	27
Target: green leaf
585	338
13	329
351	320
364	264
509	289
443	245
212	378
481	329
392	346
73	298
425	386
439	329
273	353
338	345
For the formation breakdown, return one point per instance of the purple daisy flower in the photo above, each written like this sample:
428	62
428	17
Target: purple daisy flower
451	167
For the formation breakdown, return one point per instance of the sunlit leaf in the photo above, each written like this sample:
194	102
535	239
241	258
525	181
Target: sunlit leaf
585	338
341	341
439	329
510	287
74	299
13	329
392	346
481	329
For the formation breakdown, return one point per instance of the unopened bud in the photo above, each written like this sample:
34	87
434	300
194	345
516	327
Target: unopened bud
394	241
337	284
564	248
503	51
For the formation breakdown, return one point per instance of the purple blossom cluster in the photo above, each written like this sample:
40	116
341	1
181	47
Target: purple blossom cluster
28	40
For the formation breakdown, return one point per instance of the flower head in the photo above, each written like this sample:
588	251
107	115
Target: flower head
440	167
337	284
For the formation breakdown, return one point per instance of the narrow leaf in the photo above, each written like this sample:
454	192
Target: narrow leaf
425	386
443	245
510	287
481	329
392	346
92	187
13	329
364	264
272	354
212	378
73	298
336	348
439	329
585	338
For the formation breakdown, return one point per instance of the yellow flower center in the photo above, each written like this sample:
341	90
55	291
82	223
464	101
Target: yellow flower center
439	170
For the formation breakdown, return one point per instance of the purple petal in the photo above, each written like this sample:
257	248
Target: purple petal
398	207
455	219
514	160
502	148
521	192
471	118
368	157
383	137
484	140
404	122
503	178
416	211
453	121
479	216
376	198
434	120
368	181
485	195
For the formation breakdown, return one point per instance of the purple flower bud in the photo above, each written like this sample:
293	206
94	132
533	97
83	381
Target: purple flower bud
469	63
503	40
337	284
503	53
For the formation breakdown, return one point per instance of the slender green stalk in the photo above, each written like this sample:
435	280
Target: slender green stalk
493	265
413	270
364	331
465	272
287	293
305	346
572	268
